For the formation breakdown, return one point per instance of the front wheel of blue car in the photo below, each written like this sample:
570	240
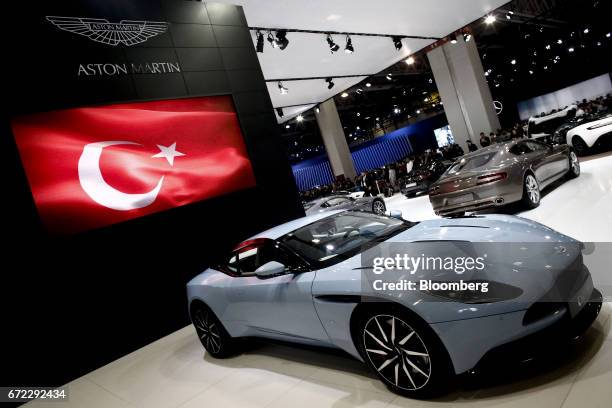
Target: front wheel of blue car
405	354
213	336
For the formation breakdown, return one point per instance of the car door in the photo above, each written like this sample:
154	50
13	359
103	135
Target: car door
280	306
551	161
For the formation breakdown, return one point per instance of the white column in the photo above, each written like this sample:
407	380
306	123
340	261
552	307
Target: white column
460	79
334	140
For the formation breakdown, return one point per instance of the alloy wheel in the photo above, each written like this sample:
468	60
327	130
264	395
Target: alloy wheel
533	190
574	163
397	352
378	207
207	330
580	146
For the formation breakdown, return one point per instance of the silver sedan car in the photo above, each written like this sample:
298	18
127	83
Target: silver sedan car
345	202
501	174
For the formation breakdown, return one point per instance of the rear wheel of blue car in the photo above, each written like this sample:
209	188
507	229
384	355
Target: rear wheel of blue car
213	336
405	353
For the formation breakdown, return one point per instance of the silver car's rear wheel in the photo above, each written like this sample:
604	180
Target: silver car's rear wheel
531	191
574	163
378	207
397	352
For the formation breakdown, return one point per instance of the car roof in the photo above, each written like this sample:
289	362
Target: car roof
496	147
283	229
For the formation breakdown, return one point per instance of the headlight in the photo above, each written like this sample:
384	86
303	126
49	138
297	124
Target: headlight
472	291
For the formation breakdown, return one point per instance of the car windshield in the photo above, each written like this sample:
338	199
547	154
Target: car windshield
471	163
339	237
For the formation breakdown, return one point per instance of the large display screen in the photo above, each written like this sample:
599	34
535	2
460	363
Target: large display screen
444	136
94	166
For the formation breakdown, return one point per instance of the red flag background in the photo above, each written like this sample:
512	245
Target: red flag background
206	131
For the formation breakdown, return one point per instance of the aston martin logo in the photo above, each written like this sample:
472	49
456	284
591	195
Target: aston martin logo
127	32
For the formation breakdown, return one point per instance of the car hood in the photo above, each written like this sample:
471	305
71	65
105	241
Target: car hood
605	121
482	228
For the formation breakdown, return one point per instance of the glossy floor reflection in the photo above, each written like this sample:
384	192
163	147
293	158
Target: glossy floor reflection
175	371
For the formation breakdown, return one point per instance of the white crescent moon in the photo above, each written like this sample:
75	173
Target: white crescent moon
98	190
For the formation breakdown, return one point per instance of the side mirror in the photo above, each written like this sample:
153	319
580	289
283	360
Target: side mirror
396	214
270	269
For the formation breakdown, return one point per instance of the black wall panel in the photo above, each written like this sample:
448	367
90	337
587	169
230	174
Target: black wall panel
73	303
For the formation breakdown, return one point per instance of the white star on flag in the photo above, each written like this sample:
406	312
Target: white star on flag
168	152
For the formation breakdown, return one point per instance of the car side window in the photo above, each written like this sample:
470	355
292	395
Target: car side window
337	201
252	257
521	148
536	146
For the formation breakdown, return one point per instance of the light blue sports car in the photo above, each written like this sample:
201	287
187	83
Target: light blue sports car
303	282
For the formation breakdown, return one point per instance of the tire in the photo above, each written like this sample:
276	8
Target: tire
378	206
574	165
388	335
580	147
531	191
216	340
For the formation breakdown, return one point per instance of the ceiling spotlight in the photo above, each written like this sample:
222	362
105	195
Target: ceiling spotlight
570	49
397	41
586	31
513	62
272	40
389	76
453	39
608	35
317	109
359	91
418	112
358	114
282	89
530	72
368	84
508	17
548	46
545	67
559	41
409	60
349	46
333	47
299	118
287	126
279	112
330	83
344	94
467	37
260	41
490	19
281	39
396	110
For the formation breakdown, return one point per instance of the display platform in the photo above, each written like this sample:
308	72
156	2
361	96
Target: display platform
176	372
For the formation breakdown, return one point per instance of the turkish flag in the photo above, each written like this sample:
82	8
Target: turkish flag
94	166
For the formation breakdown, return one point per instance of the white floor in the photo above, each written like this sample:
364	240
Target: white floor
175	371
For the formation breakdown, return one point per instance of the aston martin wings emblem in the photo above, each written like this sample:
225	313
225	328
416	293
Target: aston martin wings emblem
128	32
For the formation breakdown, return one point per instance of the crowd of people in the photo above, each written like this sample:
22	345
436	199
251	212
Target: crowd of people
385	180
